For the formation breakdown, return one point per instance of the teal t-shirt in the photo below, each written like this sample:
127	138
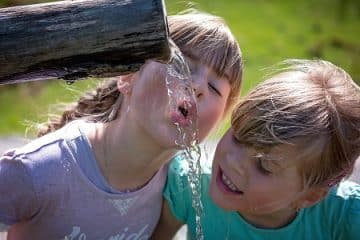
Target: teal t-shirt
335	217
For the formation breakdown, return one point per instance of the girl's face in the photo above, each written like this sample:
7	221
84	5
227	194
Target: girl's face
149	102
212	93
254	183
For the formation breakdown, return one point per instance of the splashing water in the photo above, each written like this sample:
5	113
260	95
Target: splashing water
180	90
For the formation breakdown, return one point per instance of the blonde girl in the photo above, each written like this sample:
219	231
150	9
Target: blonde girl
278	172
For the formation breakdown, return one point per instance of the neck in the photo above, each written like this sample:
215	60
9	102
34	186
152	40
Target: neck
127	158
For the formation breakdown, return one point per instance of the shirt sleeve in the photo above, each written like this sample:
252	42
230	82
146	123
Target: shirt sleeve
17	201
177	190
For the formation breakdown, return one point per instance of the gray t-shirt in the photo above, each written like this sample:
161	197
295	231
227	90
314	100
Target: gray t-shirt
46	195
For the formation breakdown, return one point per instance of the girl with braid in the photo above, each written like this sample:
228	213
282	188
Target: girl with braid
98	171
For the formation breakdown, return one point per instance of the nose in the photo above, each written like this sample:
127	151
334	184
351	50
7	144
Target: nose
239	167
197	89
200	81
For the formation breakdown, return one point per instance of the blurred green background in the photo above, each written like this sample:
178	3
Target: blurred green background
268	31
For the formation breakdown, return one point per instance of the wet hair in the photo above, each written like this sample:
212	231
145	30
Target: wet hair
205	34
312	104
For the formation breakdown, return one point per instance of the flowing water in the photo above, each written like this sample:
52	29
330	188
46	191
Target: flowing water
180	89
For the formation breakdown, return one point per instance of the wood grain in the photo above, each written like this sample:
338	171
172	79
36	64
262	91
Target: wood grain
77	39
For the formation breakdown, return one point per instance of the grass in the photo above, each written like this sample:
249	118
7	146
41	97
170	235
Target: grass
268	32
23	105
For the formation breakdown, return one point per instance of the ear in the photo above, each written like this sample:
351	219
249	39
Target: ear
125	84
312	196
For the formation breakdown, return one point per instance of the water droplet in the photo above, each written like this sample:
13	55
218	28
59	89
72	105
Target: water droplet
70	82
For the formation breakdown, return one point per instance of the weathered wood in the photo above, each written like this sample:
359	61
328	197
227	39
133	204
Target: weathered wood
76	39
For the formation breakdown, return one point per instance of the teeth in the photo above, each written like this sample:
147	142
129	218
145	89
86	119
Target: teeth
228	183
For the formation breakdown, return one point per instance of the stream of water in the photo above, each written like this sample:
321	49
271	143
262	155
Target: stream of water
180	76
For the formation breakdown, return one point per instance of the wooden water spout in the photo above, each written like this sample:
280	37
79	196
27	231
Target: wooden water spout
80	38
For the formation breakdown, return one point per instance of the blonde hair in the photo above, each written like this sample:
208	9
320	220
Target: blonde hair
198	35
207	38
307	102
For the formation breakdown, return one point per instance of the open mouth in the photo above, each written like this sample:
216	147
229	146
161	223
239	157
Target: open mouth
226	184
183	111
184	114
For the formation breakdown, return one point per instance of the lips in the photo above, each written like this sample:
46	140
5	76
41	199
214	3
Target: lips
226	185
185	114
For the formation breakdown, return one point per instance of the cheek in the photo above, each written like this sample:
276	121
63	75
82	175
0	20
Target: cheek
221	152
152	92
208	117
267	195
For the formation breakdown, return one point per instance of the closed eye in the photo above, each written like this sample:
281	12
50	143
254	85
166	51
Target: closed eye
213	88
261	165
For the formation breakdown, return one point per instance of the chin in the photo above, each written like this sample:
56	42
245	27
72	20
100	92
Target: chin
216	195
169	144
164	134
219	198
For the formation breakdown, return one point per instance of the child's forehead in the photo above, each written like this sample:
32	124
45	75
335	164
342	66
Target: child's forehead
282	154
197	56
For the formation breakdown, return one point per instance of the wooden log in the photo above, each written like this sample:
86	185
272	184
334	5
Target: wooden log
82	38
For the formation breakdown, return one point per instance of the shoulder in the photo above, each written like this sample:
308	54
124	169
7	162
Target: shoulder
177	189
39	151
177	178
52	145
45	160
343	197
179	172
349	194
17	182
340	210
180	165
347	197
347	190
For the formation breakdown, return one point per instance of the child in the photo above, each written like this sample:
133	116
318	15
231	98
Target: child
277	172
101	176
